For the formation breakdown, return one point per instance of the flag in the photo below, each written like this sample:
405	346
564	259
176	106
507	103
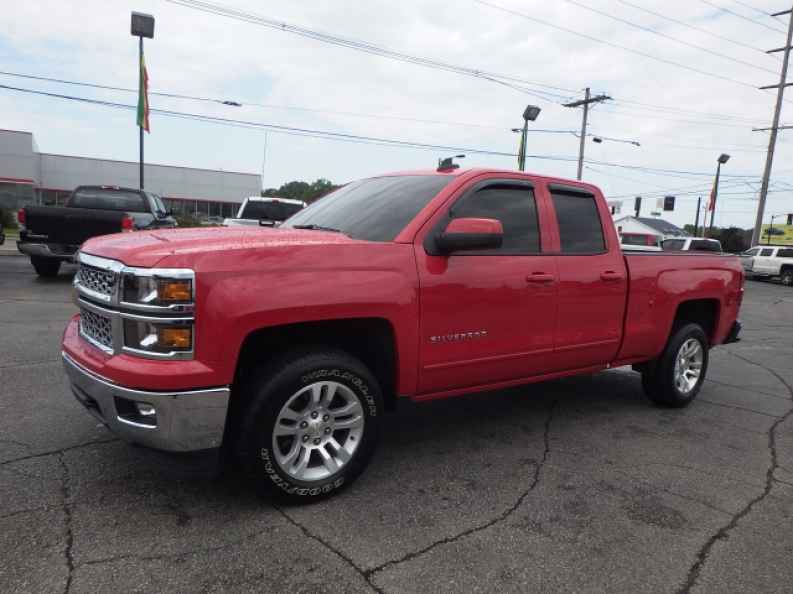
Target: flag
521	148
143	96
712	201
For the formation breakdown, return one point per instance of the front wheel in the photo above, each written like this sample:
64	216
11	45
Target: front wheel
677	375
313	424
45	267
787	277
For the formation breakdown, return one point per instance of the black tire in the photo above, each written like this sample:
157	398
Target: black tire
658	378
269	391
787	277
45	267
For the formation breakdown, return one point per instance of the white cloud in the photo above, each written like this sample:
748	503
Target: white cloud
208	55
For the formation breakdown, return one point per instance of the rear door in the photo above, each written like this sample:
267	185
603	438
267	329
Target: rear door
763	263
593	281
487	316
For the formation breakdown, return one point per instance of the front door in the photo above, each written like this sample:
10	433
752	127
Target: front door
487	316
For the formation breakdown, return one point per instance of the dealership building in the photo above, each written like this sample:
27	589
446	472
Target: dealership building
30	177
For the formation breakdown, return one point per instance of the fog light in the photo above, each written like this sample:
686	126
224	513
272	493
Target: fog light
175	338
145	409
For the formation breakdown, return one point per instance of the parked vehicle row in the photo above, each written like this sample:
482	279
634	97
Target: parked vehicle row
285	346
769	262
51	235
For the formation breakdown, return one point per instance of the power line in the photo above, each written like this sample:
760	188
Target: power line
750	7
235	103
346	137
740	16
377	50
609	43
690	26
665	36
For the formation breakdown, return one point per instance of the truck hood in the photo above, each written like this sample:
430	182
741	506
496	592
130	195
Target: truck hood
148	248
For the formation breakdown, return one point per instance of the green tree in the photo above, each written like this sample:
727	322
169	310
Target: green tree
300	190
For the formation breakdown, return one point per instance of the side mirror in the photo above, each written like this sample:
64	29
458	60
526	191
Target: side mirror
470	234
265	223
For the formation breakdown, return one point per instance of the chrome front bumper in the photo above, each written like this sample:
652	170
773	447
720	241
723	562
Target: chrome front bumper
183	421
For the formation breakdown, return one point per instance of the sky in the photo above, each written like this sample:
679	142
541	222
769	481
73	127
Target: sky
685	91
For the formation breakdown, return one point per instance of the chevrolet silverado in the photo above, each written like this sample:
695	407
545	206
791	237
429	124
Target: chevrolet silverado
284	347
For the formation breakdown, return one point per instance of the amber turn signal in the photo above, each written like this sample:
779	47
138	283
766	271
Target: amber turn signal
175	338
175	290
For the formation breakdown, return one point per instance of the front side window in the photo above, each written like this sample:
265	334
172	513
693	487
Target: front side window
751	252
766	252
516	209
580	229
374	209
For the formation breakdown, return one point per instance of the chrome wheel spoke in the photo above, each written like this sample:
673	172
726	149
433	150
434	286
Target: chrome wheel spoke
290	456
285	430
302	462
349	423
327	459
341	453
348	409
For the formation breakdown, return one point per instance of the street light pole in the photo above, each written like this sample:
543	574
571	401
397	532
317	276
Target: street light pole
696	220
723	158
142	25
140	128
530	114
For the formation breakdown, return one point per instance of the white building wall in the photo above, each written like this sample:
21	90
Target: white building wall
17	156
61	172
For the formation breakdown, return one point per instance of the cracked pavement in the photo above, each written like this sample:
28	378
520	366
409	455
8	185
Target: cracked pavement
573	485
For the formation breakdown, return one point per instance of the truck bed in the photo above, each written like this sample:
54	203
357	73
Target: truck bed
658	279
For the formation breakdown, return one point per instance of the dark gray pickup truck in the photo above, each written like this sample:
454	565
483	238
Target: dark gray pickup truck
51	235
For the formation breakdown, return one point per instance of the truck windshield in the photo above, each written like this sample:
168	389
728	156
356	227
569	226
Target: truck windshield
102	199
374	209
270	210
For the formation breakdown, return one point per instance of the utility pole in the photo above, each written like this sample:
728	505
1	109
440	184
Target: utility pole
587	100
769	162
696	220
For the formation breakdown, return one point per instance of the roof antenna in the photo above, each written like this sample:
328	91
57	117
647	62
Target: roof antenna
448	163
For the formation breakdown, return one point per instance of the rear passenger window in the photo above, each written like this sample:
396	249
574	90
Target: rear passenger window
514	206
580	229
766	252
786	253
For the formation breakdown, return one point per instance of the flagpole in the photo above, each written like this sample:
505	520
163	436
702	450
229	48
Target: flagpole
140	127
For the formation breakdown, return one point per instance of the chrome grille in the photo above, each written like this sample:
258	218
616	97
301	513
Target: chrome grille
96	327
96	279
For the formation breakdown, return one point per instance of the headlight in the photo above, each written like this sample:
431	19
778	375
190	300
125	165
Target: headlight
153	290
160	337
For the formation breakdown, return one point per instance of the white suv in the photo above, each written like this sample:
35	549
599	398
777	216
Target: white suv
691	244
270	212
769	261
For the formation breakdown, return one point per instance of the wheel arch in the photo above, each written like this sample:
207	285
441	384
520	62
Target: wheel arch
704	312
371	340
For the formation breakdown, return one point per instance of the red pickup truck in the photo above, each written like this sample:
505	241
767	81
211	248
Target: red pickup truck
286	346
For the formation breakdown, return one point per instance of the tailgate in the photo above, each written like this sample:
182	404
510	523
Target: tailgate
72	226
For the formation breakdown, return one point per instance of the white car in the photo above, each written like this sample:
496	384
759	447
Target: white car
270	212
769	261
691	244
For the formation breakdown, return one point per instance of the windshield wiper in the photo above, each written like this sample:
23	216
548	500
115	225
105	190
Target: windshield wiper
317	228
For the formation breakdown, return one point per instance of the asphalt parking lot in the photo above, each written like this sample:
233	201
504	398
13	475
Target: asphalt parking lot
574	485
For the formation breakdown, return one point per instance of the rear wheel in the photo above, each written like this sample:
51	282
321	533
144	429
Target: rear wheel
45	267
313	424
677	375
787	277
